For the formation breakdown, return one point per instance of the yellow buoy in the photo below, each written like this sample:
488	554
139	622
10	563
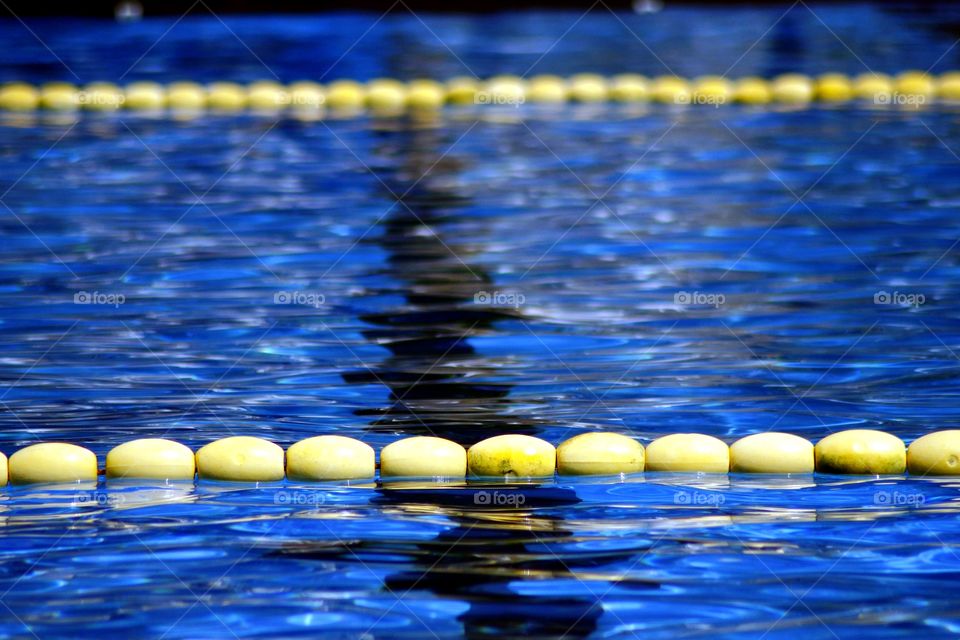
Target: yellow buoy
241	458
151	458
4	473
267	95
462	90
386	96
688	452
101	96
670	90
629	87
145	96
712	90
52	462
186	96
331	458
861	451
833	87
792	88
935	454
772	453
306	95
59	96
948	86
226	96
346	95
423	456
873	87
588	87
503	90
512	455
752	90
914	88
425	95
547	89
19	96
599	454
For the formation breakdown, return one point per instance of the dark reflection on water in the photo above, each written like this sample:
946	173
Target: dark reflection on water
431	334
435	376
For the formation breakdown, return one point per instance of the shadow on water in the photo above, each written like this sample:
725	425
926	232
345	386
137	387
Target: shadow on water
436	378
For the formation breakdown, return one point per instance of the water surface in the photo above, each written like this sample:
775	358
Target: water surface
644	270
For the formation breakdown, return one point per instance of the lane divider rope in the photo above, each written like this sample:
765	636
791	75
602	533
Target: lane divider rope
331	457
386	96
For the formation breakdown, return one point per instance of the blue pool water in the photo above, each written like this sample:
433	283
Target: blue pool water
822	242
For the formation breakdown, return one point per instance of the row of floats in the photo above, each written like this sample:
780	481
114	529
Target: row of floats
331	457
390	96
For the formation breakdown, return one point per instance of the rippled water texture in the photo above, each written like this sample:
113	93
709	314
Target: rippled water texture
499	270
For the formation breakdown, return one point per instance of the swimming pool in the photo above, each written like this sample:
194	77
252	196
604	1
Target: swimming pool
804	232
